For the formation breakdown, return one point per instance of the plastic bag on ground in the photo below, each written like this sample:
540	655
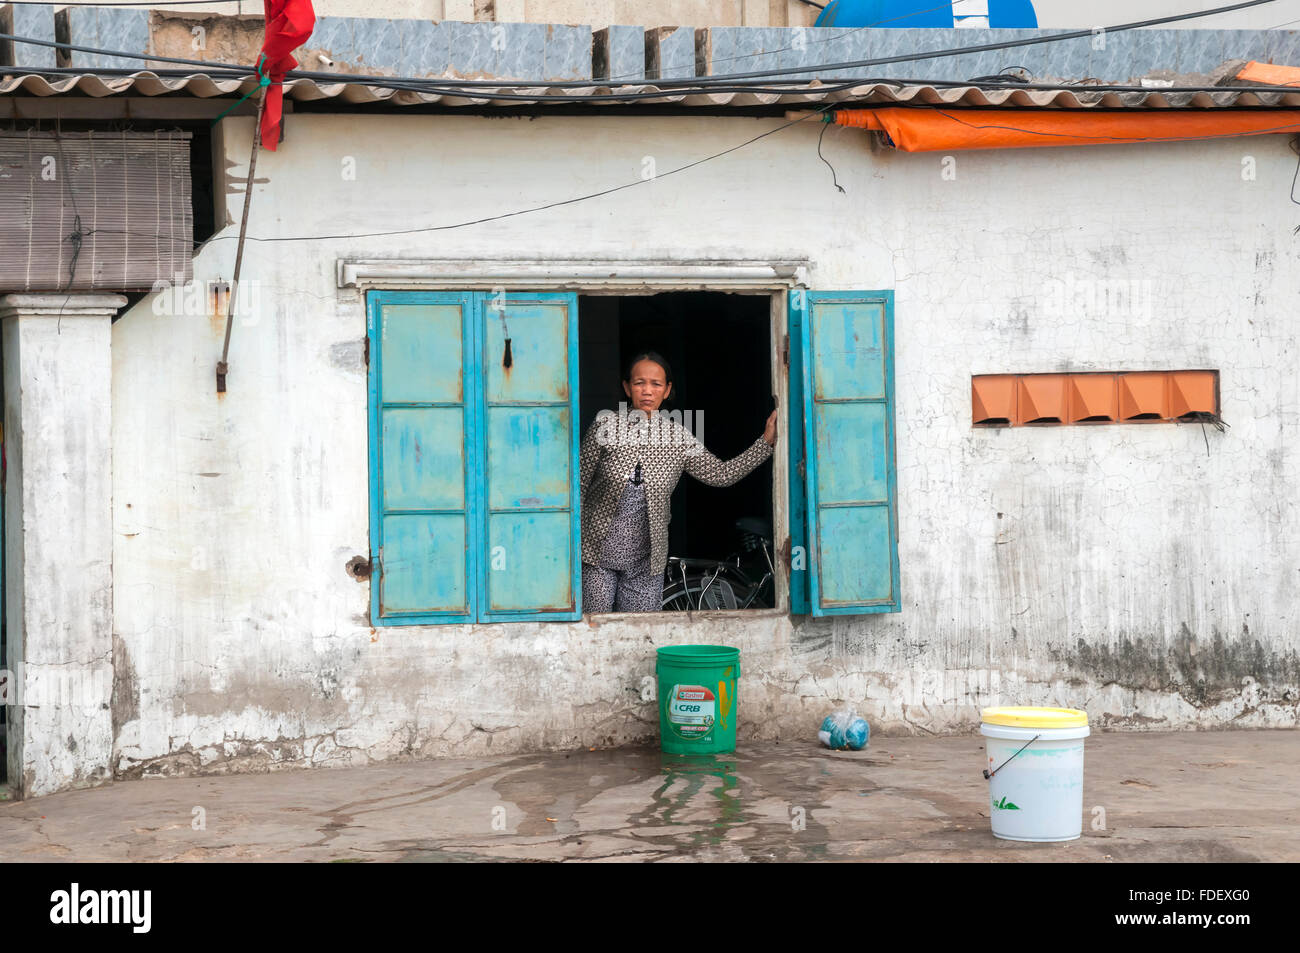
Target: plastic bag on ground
844	730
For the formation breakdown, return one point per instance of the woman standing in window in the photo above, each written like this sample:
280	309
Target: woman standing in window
629	465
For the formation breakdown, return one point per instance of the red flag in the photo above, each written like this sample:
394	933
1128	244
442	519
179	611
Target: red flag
288	25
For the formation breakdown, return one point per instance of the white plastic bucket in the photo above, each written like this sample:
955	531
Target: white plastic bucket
1036	787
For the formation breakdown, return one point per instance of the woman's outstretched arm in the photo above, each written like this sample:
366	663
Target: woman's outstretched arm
707	468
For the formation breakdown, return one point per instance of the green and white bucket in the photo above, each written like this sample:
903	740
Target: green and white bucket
1035	772
697	698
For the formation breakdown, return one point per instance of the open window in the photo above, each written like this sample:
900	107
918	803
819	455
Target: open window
477	402
720	348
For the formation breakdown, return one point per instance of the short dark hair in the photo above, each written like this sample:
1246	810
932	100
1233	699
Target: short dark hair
649	356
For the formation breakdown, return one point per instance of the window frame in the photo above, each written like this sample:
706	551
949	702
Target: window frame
377	280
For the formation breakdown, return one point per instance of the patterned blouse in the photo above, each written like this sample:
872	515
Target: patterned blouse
611	449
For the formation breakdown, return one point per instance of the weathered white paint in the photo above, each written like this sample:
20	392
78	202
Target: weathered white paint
1030	557
58	539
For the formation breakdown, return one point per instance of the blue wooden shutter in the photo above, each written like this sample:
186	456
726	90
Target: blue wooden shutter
528	419
422	506
798	320
848	397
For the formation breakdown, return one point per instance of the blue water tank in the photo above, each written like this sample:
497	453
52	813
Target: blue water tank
900	14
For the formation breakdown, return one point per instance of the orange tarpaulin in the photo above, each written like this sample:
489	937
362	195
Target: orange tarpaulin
929	129
1268	73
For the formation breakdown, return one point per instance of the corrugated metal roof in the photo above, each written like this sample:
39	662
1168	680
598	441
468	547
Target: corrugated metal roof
307	90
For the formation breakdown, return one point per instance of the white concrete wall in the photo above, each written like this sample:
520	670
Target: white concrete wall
1127	569
58	540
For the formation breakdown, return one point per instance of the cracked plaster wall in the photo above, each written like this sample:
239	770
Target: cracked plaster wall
1128	570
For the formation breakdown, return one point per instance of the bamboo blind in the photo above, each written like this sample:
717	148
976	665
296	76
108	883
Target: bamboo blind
94	210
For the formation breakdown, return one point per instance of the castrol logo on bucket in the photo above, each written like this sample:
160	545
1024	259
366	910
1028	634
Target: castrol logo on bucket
691	710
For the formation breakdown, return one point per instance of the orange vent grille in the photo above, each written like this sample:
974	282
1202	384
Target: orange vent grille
1024	400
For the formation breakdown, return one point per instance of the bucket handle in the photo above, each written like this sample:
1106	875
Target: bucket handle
988	774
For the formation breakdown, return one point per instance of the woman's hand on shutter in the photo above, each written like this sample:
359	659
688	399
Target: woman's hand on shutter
769	432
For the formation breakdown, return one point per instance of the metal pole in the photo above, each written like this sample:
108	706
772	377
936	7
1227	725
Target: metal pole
222	366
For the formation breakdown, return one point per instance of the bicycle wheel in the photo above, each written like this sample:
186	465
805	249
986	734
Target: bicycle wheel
699	593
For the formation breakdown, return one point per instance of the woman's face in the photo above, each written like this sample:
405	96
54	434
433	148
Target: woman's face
647	387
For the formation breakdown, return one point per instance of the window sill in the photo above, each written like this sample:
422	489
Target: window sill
702	615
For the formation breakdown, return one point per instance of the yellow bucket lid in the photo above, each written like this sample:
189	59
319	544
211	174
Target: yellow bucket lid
1026	717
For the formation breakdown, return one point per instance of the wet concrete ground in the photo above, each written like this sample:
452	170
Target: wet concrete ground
1212	796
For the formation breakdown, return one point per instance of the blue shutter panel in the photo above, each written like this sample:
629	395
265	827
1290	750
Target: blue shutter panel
848	392
798	320
529	475
421	438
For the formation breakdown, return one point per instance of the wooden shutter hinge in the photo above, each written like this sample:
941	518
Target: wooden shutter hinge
785	350
367	350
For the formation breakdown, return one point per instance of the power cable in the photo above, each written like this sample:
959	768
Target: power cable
723	59
834	178
812	114
517	212
697	81
786	88
549	205
990	47
815	39
819	91
1295	147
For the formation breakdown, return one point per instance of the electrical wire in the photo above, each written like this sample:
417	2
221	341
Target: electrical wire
697	81
816	39
674	88
785	88
549	205
813	114
1003	45
1295	147
712	62
835	181
517	212
778	87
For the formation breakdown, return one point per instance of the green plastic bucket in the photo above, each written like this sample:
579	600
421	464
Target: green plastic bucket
697	698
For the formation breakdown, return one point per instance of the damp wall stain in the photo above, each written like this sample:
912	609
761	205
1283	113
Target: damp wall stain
1204	672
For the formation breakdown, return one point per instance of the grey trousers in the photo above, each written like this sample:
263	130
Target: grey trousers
620	580
620	590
